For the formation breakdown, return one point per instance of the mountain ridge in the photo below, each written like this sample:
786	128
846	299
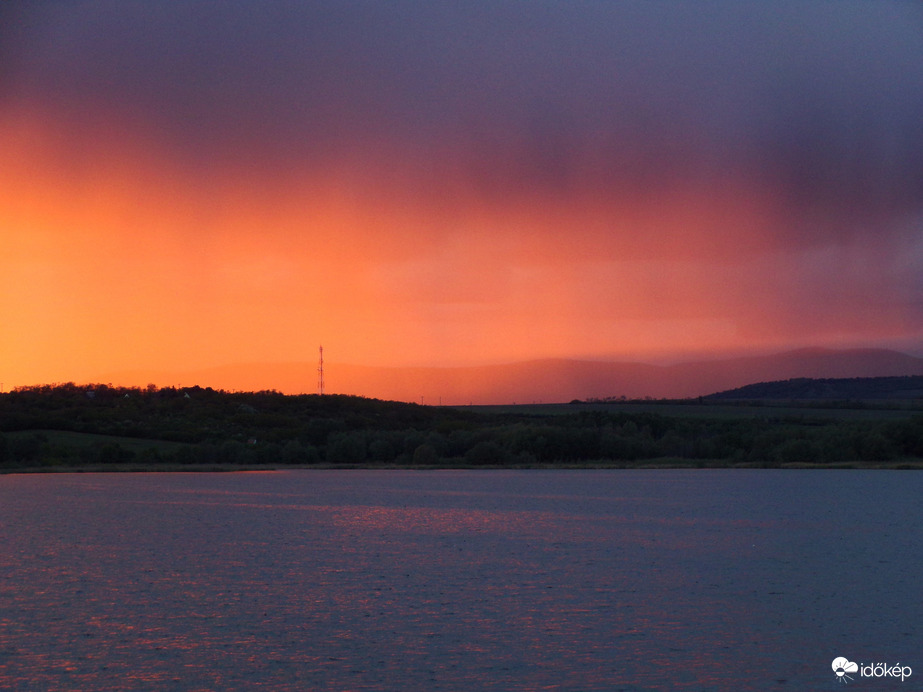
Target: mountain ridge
545	380
828	389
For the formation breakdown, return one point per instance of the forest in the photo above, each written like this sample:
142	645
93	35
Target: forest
99	426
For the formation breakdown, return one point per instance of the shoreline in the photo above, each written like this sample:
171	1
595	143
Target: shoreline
652	465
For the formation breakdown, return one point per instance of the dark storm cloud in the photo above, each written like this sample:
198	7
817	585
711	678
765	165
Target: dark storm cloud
821	102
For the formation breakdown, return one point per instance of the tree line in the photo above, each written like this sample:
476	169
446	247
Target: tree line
100	425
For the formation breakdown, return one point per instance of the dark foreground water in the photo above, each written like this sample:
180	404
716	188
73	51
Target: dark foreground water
460	580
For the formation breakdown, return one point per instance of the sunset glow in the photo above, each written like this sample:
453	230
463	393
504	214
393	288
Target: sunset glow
401	210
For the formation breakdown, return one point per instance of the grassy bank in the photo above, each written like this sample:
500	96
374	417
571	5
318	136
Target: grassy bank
651	464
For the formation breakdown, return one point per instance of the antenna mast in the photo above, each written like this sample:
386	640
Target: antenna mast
320	373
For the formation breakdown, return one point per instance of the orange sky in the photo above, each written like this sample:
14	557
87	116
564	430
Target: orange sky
123	253
127	265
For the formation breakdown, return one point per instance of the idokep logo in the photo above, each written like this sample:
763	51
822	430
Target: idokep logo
843	666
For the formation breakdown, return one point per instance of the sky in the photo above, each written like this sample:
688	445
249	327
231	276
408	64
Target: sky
194	184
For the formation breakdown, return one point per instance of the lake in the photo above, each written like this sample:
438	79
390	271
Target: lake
460	580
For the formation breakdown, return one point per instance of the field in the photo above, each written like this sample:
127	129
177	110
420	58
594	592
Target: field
842	411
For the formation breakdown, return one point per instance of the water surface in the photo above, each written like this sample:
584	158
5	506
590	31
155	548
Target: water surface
448	580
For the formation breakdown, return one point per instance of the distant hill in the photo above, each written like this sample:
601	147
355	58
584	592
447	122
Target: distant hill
830	389
553	380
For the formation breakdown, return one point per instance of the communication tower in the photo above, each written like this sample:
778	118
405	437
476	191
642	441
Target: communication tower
320	373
